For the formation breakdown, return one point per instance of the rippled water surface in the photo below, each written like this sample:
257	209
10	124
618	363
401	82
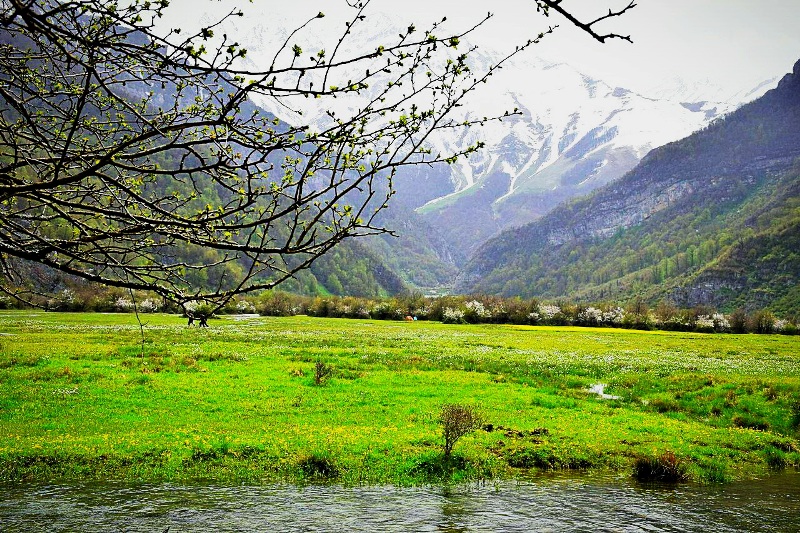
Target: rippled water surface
545	504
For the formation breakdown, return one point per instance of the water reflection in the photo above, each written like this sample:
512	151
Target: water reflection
555	503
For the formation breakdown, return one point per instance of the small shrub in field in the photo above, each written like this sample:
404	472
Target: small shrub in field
458	420
730	398
322	371
664	405
142	379
770	393
667	467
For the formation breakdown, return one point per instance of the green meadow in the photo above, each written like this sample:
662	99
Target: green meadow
83	397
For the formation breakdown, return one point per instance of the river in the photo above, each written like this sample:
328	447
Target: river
545	503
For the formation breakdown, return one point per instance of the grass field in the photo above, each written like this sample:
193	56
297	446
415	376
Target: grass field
238	401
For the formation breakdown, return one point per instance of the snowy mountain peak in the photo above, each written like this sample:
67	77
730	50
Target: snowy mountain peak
574	132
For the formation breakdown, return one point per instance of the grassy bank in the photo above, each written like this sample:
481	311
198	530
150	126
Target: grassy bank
238	401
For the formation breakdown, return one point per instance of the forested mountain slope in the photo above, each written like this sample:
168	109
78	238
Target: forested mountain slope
713	218
349	269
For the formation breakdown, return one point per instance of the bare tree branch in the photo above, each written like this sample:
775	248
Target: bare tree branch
556	5
138	160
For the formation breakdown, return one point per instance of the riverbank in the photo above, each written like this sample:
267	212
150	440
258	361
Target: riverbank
82	398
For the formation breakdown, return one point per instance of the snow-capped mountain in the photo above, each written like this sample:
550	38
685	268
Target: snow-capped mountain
677	89
574	132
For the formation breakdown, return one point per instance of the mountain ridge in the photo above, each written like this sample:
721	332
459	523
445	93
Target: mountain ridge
575	133
729	165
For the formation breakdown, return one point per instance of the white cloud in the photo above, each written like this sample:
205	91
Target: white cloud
729	43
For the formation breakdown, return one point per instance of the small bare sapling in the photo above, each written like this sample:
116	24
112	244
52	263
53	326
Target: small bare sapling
458	420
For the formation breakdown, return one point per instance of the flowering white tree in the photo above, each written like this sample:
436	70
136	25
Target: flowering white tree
781	325
720	322
590	316
477	310
452	316
614	316
123	304
549	312
244	307
148	305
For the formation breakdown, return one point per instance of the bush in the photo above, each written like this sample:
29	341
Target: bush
551	315
795	422
785	327
458	420
665	405
738	321
637	315
322	371
452	316
476	312
244	307
715	471
519	311
762	322
589	316
747	421
666	312
776	459
204	310
278	303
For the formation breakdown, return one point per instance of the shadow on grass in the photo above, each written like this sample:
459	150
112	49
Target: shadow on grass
436	467
318	467
547	459
28	466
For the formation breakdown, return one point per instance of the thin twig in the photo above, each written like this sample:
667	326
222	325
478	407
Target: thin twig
139	320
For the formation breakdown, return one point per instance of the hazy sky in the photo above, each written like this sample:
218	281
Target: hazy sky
731	43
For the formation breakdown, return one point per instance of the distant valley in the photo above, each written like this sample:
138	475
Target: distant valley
573	133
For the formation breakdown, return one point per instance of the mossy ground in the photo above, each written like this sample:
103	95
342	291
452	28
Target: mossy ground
80	399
